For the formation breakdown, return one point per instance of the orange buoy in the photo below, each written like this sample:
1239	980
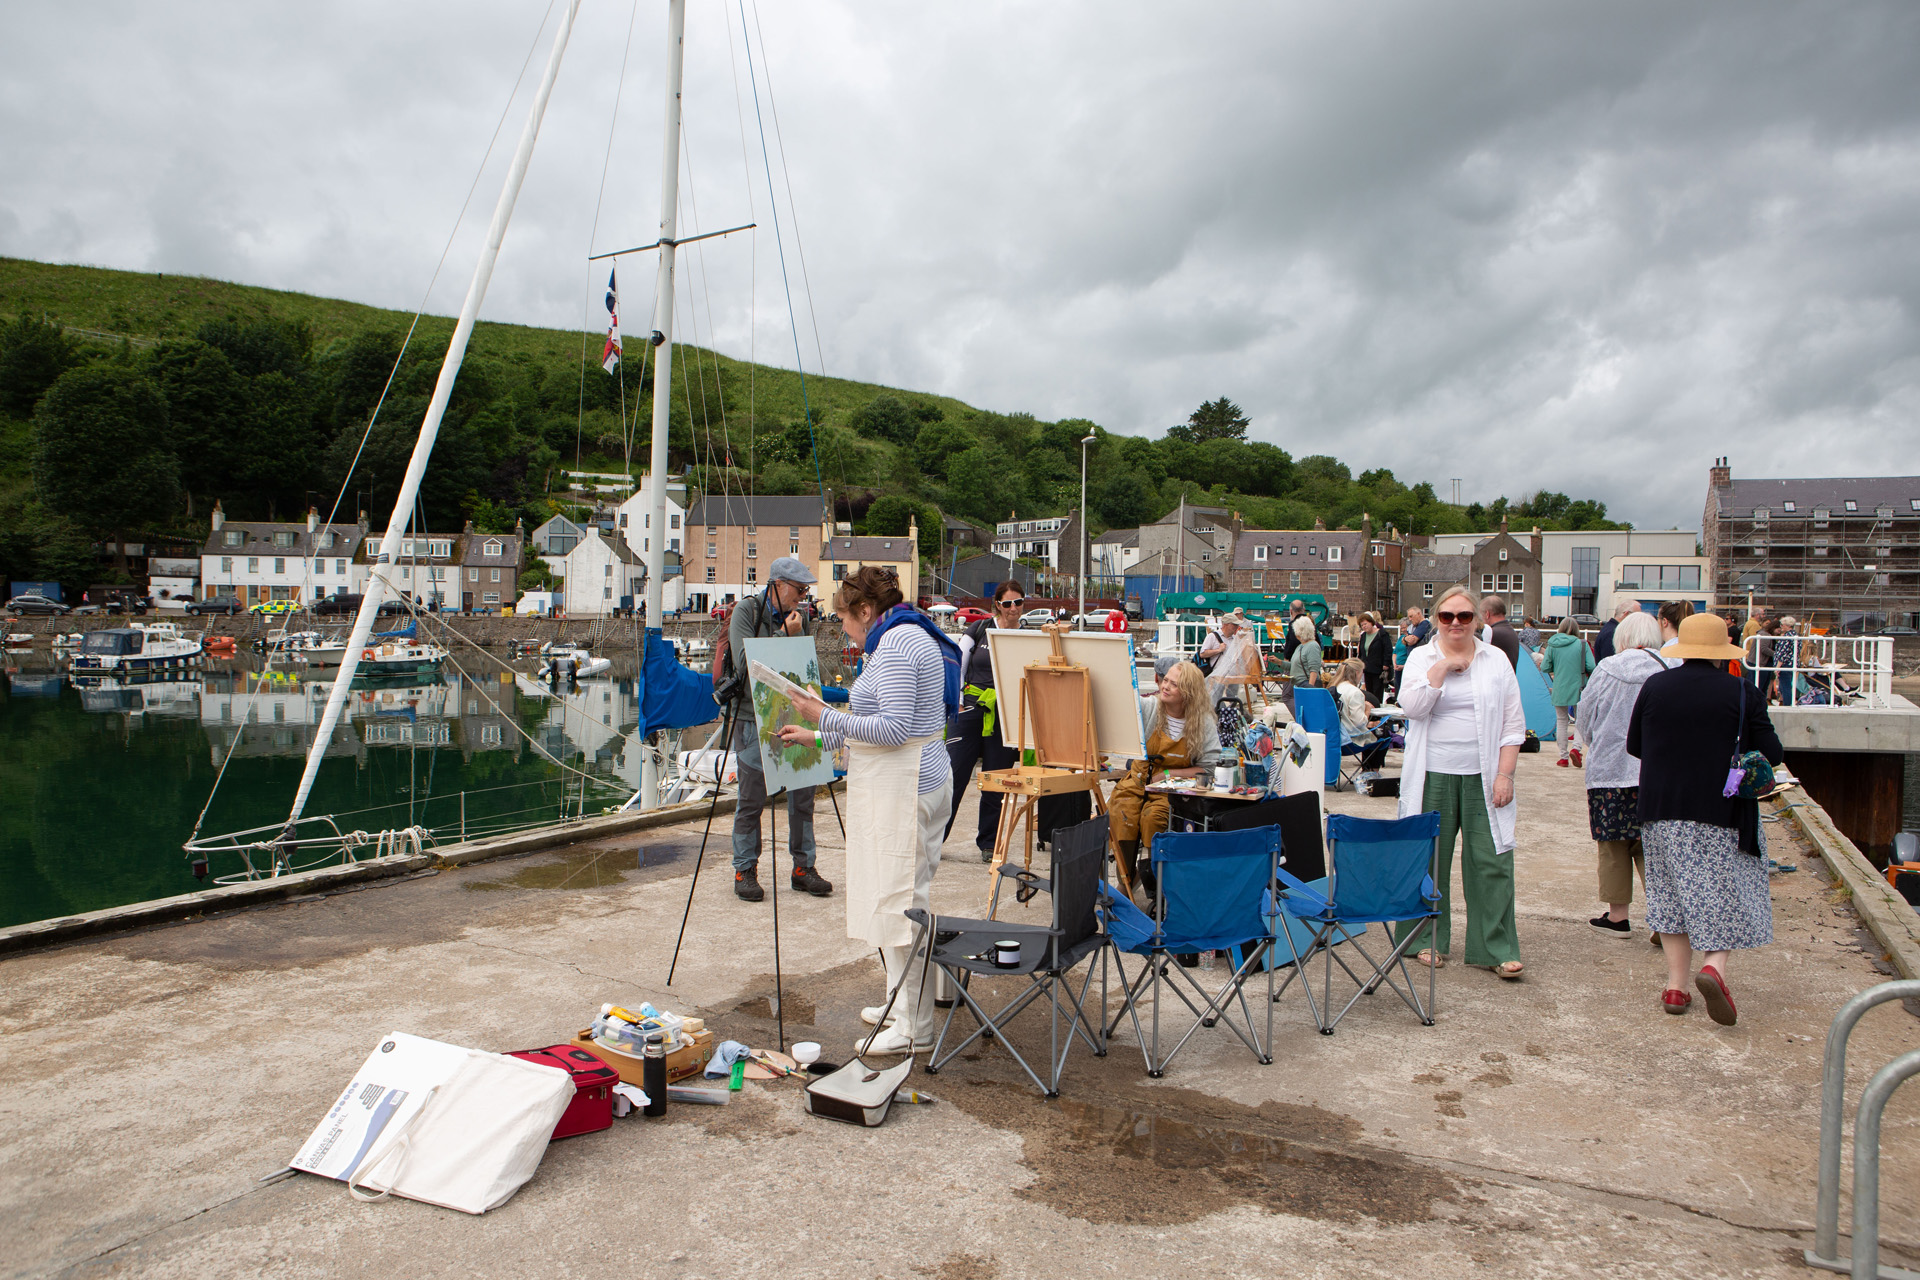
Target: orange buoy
366	655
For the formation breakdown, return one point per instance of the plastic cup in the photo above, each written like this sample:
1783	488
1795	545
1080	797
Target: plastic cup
806	1053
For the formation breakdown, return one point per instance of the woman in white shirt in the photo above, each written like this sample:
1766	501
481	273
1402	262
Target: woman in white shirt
1464	730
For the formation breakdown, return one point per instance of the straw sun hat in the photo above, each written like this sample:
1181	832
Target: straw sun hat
1703	635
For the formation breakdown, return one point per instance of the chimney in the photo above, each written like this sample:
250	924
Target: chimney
313	519
363	523
519	527
1720	474
1503	524
1533	542
468	528
1319	525
1366	533
219	516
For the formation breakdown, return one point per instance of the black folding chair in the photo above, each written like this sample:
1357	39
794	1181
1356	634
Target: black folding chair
1047	956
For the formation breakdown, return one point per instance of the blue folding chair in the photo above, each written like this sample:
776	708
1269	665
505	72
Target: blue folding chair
1314	710
1378	871
1213	891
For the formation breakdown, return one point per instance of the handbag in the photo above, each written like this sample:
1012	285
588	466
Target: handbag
476	1141
1750	776
860	1094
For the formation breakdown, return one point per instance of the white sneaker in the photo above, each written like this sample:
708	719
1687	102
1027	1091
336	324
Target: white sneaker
894	1038
871	1014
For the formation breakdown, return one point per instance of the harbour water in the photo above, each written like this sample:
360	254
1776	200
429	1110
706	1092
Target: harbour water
101	784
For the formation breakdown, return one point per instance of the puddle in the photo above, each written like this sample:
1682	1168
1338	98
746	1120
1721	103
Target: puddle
594	867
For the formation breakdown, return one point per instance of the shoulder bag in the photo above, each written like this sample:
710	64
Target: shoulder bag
1750	775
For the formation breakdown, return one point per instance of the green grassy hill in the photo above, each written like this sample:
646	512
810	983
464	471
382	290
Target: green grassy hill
109	305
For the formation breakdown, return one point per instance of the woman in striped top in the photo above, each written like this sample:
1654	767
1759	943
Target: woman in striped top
899	785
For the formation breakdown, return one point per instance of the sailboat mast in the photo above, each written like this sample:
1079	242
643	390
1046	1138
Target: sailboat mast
379	586
656	522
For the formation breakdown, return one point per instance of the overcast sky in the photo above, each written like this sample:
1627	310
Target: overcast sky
1529	245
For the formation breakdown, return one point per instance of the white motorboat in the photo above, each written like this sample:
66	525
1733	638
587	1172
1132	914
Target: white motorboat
143	646
562	663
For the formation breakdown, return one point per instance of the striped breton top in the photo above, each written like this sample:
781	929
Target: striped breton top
901	694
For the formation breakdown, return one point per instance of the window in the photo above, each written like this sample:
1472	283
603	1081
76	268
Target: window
673	544
406	572
1205	556
673	521
253	564
710	573
712	529
1852	505
283	593
753	551
473	575
324	542
237	537
1258	583
1333	582
1884	511
1260	552
623	519
1913	504
711	550
493	548
793	548
1787	506
1761	514
1313	551
1293	551
1426	591
1503	555
490	597
1820	515
496	575
793	531
606	571
753	574
839	573
1502	580
1486	584
320	568
226	564
279	564
1519	583
752	528
283	538
1333	555
340	568
1293	580
606	593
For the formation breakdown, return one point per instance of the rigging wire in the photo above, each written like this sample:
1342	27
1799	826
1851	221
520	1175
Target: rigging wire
606	163
780	143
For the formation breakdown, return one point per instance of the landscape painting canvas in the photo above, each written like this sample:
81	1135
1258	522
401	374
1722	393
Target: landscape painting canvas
803	764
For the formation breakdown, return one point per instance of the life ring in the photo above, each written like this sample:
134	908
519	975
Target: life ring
366	655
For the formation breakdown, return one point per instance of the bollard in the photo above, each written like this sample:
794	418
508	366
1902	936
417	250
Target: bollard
1833	1088
1866	1165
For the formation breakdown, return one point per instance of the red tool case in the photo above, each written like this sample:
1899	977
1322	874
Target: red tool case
592	1107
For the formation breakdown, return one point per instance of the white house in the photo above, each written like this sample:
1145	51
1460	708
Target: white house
602	575
266	560
634	518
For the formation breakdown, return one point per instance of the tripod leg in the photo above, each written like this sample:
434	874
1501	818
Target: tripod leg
726	745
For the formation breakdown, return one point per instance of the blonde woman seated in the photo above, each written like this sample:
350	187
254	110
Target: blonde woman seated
1183	740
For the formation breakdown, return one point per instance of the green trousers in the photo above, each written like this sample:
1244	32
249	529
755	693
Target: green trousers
1486	876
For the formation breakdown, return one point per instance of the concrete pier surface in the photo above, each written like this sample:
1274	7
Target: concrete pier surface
1557	1126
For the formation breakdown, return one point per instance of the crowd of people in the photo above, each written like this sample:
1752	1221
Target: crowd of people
1649	710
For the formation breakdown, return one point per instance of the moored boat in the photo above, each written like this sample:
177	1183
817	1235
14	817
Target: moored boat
147	646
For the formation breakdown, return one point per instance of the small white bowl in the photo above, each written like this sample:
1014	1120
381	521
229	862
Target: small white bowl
806	1053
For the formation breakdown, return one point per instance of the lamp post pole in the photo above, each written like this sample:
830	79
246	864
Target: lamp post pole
1084	442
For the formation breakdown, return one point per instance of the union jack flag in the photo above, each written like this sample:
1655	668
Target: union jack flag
611	356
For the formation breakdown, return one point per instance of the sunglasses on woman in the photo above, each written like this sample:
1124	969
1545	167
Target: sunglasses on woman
1011	604
1444	616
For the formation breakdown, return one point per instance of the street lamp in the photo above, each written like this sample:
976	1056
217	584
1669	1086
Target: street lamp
1085	440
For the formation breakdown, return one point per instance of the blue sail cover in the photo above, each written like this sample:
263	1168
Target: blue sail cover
404	633
672	696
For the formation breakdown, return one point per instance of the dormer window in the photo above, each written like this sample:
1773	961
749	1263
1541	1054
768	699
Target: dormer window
1260	552
233	537
1333	555
283	538
492	548
1761	514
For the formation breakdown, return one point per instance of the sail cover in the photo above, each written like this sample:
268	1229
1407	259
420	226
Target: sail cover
672	696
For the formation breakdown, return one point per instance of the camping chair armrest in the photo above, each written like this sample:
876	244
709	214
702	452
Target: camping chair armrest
1029	878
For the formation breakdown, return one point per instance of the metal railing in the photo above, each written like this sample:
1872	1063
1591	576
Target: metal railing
1836	671
1865	1261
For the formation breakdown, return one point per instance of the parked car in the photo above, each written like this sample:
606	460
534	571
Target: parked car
335	605
274	606
1094	619
1897	631
1585	620
32	602
970	615
1036	617
228	605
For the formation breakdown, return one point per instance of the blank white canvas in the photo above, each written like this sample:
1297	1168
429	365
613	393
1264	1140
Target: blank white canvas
1116	694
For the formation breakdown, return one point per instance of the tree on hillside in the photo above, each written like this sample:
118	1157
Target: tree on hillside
936	443
100	455
1127	502
978	482
206	403
34	352
888	517
1220	419
886	417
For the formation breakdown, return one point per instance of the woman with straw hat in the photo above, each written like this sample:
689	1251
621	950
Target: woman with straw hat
1706	859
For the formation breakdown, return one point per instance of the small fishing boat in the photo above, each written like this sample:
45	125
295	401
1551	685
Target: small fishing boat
143	646
562	663
400	657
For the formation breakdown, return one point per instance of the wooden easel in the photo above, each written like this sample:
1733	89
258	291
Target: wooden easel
1056	721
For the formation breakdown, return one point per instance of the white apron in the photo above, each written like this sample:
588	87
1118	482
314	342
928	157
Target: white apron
883	840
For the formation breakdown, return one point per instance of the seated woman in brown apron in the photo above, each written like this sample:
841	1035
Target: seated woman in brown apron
1182	739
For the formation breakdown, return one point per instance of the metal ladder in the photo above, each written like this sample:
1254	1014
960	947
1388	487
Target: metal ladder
1865	1262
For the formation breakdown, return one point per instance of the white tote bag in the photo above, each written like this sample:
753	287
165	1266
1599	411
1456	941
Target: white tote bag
477	1139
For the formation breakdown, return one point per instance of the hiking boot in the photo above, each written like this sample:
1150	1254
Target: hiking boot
807	880
746	885
986	852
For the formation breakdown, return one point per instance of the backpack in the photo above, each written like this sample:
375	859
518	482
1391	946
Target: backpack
726	681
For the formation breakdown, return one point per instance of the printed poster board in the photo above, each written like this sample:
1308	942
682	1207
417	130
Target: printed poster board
1116	695
775	666
387	1092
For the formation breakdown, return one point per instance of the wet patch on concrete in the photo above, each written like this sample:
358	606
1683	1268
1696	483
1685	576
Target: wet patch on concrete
585	866
962	1266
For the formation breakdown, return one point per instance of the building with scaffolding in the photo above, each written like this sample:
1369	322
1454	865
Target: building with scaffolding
1842	553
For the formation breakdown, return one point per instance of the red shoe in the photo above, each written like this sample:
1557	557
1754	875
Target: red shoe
1713	989
1675	1001
1578	763
1561	762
